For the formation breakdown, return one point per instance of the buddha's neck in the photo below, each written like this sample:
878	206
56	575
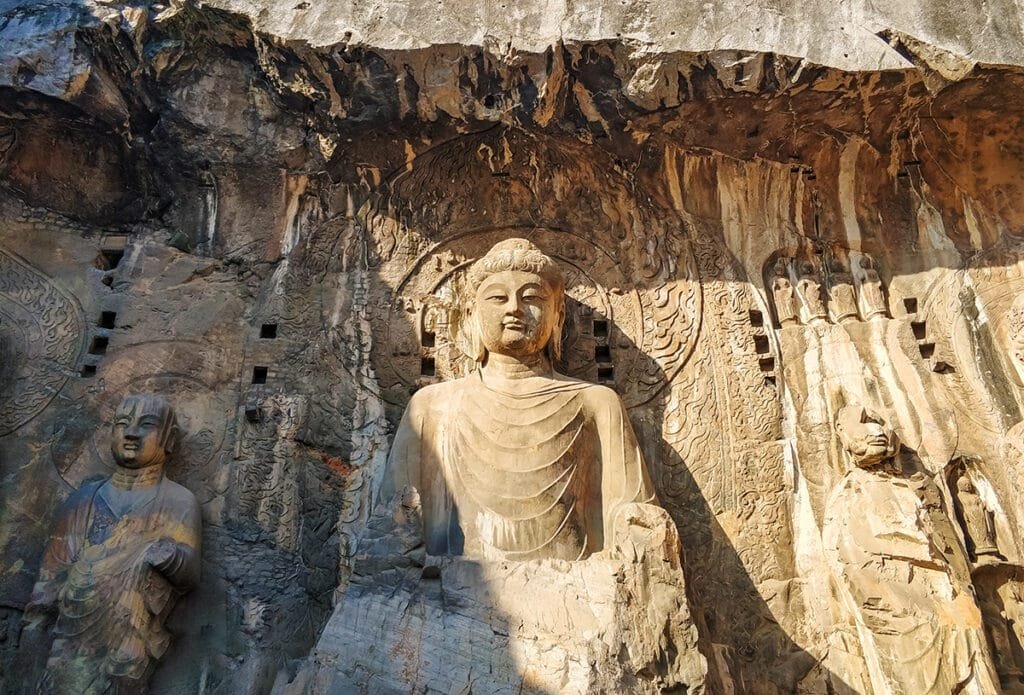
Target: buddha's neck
136	478
505	367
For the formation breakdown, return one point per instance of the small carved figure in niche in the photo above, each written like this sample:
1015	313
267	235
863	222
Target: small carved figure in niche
895	551
783	293
842	299
809	288
516	461
123	550
872	298
977	520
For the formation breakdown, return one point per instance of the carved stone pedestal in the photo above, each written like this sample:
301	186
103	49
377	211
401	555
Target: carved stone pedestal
542	626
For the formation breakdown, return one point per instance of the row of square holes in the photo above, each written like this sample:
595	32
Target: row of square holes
268	331
106	260
602	353
98	346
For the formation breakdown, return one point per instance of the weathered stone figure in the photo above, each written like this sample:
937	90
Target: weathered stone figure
842	300
976	519
809	288
516	461
902	569
872	299
783	294
514	517
123	549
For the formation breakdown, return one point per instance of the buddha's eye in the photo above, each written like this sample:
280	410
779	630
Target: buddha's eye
496	298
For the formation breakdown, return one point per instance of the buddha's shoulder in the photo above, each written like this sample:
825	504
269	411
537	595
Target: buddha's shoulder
595	394
435	393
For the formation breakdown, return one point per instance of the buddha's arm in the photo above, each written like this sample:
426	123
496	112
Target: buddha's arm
403	466
624	476
396	524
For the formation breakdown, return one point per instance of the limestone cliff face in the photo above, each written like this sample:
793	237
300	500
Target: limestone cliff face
260	208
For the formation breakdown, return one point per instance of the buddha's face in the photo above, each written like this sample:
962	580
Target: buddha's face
517	312
865	436
139	434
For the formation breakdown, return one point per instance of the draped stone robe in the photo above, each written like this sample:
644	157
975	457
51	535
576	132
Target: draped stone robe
893	548
517	476
110	603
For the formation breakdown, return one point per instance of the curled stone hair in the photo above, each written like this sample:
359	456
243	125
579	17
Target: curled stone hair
515	254
524	256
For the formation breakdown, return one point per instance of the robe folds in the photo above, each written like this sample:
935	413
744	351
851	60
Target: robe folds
110	603
517	476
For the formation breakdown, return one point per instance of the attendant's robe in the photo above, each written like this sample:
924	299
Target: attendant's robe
905	577
110	603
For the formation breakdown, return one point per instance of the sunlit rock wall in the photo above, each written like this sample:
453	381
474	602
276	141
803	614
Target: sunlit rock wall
256	209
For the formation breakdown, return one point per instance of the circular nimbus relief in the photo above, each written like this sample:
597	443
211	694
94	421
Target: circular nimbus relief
201	427
613	332
41	332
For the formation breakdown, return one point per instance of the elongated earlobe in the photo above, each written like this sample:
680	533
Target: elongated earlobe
476	342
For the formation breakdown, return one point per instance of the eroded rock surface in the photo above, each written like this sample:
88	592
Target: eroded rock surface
765	214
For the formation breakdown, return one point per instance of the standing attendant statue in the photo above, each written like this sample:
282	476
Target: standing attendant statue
842	300
809	288
123	550
783	294
872	299
896	554
516	461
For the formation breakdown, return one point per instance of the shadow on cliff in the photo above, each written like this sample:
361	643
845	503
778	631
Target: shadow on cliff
747	649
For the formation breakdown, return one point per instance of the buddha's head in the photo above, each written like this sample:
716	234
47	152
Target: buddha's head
144	432
515	303
865	436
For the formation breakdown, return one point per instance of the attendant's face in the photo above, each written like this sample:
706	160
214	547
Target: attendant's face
517	313
137	440
865	436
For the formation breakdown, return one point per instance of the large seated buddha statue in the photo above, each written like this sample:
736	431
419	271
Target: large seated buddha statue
515	545
516	461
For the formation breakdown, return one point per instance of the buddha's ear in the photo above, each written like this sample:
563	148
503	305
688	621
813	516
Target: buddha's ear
555	344
471	335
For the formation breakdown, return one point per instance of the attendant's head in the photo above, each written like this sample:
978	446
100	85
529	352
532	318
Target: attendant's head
865	436
144	431
515	303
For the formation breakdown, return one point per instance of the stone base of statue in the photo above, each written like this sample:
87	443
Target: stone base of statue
615	622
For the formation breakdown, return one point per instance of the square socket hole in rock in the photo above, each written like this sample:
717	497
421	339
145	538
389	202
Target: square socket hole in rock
107	319
108	259
259	375
98	346
268	331
427	366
